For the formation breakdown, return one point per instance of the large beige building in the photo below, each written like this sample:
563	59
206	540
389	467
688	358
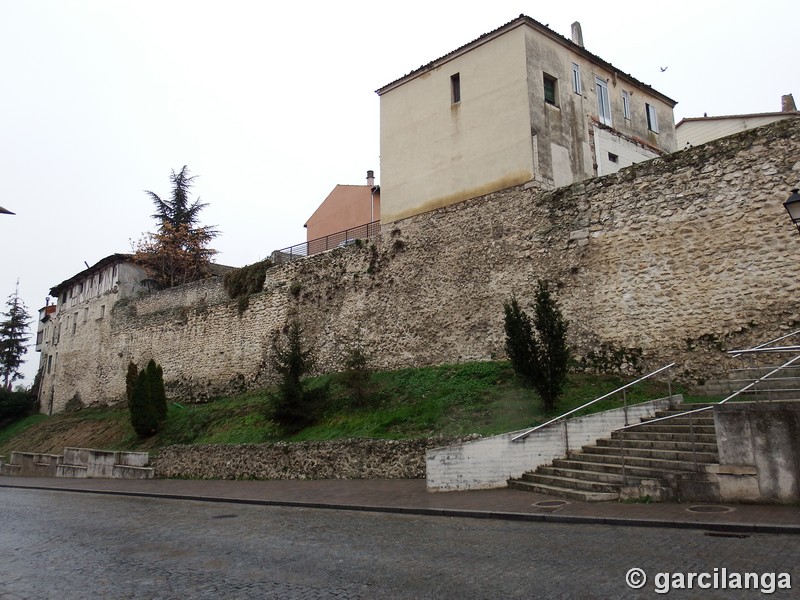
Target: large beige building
519	104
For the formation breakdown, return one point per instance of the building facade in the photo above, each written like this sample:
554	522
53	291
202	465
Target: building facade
78	325
694	131
519	104
347	208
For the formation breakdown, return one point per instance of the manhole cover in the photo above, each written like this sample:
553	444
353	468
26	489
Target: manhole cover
551	503
709	508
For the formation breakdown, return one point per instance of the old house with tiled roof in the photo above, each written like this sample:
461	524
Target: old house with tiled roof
518	105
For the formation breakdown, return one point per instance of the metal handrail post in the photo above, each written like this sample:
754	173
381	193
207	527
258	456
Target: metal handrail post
622	453
692	438
566	437
625	405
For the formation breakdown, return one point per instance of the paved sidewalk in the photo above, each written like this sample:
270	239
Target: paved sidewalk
411	497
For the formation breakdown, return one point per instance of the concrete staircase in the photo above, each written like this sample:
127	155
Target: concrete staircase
659	460
79	462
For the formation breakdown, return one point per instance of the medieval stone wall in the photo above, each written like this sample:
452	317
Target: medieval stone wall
682	256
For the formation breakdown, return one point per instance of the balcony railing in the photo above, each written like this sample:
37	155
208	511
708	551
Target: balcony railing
329	242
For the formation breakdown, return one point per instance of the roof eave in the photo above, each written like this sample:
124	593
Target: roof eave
543	29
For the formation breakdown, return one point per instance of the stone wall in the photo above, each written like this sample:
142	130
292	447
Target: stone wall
341	459
682	256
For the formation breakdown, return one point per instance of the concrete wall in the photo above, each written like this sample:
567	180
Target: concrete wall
759	451
490	462
683	257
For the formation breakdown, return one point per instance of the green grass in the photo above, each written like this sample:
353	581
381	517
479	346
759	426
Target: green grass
450	400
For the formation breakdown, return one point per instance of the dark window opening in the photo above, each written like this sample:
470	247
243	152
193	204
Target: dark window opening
550	89
455	88
613	157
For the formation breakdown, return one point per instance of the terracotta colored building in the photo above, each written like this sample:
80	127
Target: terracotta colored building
343	215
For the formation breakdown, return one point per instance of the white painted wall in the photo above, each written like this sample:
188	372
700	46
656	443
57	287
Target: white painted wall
490	462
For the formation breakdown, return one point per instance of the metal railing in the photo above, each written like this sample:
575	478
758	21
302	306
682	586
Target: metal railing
763	348
621	389
329	242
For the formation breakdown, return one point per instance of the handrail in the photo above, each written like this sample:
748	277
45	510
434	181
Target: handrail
759	350
525	434
688	412
764	344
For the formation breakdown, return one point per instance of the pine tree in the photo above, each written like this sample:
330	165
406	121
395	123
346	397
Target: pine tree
147	399
155	377
537	348
130	380
294	406
177	252
13	337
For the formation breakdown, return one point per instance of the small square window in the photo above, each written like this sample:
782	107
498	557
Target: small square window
455	88
613	157
550	89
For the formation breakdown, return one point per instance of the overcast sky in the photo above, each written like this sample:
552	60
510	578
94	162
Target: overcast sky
273	104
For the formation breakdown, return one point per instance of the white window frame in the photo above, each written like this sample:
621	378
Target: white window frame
626	105
603	101
576	78
652	117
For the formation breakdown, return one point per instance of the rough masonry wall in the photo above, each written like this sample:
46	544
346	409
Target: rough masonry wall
683	256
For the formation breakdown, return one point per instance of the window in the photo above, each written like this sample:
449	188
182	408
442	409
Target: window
102	311
603	104
613	157
626	105
576	78
652	119
455	88
550	89
50	363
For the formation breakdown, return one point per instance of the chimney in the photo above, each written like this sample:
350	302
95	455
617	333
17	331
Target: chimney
370	178
787	103
577	34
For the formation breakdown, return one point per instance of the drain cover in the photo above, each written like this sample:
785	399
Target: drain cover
551	503
709	508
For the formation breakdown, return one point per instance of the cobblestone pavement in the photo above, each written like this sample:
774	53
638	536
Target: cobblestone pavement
73	546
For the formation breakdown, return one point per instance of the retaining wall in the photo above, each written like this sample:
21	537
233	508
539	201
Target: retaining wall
680	257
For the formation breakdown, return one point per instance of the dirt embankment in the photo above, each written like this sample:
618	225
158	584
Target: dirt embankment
53	435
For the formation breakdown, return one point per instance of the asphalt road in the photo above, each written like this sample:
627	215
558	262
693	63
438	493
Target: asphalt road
70	546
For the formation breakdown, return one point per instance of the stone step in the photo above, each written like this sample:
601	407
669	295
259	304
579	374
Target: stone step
679	455
9	470
668	444
569	494
576	473
631	471
665	427
638	461
697	420
654	436
572	483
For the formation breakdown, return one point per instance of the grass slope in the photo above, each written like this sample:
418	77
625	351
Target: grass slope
448	400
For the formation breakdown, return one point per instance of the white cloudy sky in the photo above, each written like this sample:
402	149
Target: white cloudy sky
272	104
